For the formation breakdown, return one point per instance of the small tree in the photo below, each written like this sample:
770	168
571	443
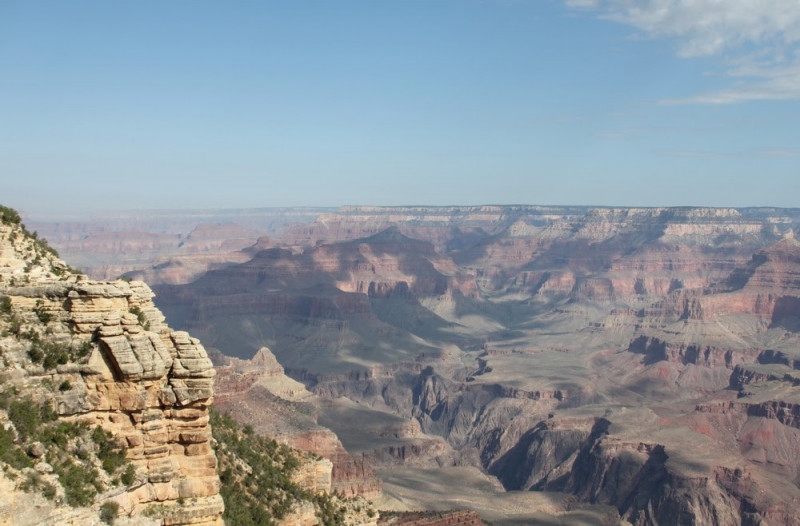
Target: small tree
109	511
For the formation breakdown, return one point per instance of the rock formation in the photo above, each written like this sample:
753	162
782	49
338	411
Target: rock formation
257	392
148	386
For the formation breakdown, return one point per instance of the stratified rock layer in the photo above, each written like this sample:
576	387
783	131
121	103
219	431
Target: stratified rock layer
147	385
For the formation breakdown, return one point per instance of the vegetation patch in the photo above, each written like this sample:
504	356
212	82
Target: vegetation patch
109	511
137	311
9	216
43	315
256	474
43	349
12	454
74	450
111	457
41	248
35	482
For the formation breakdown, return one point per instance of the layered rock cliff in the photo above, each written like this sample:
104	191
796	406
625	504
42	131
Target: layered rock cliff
98	354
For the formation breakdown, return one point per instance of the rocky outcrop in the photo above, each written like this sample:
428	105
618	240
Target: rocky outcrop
148	386
258	393
655	350
784	412
637	479
768	286
263	370
744	375
542	457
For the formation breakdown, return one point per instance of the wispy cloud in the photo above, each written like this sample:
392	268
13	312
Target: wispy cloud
757	40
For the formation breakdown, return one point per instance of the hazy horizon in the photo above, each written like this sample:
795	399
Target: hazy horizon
78	216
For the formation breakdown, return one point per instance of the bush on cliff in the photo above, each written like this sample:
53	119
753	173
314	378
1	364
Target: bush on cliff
9	216
69	450
256	474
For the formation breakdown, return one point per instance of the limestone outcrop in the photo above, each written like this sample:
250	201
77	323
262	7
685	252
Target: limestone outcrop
146	385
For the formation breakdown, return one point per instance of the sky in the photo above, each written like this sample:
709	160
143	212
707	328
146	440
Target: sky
194	104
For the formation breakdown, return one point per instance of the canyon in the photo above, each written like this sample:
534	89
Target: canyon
106	413
566	364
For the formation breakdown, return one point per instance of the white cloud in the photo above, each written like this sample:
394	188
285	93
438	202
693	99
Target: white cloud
584	4
758	40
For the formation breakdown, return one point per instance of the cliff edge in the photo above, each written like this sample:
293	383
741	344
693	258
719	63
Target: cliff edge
105	409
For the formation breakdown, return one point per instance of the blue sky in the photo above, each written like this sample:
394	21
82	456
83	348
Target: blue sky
110	105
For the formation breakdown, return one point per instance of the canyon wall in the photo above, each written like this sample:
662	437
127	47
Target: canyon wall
575	350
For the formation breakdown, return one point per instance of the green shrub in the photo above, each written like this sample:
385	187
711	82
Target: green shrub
9	216
109	511
31	334
7	396
80	483
128	477
83	349
328	512
14	326
55	354
268	493
26	416
75	468
35	354
34	482
44	245
60	433
111	457
5	305
12	454
141	317
44	316
65	386
48	415
49	491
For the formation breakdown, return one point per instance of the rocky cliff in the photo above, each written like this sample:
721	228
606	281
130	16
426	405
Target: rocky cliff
99	355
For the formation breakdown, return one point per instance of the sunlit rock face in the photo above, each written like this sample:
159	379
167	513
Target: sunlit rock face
150	387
